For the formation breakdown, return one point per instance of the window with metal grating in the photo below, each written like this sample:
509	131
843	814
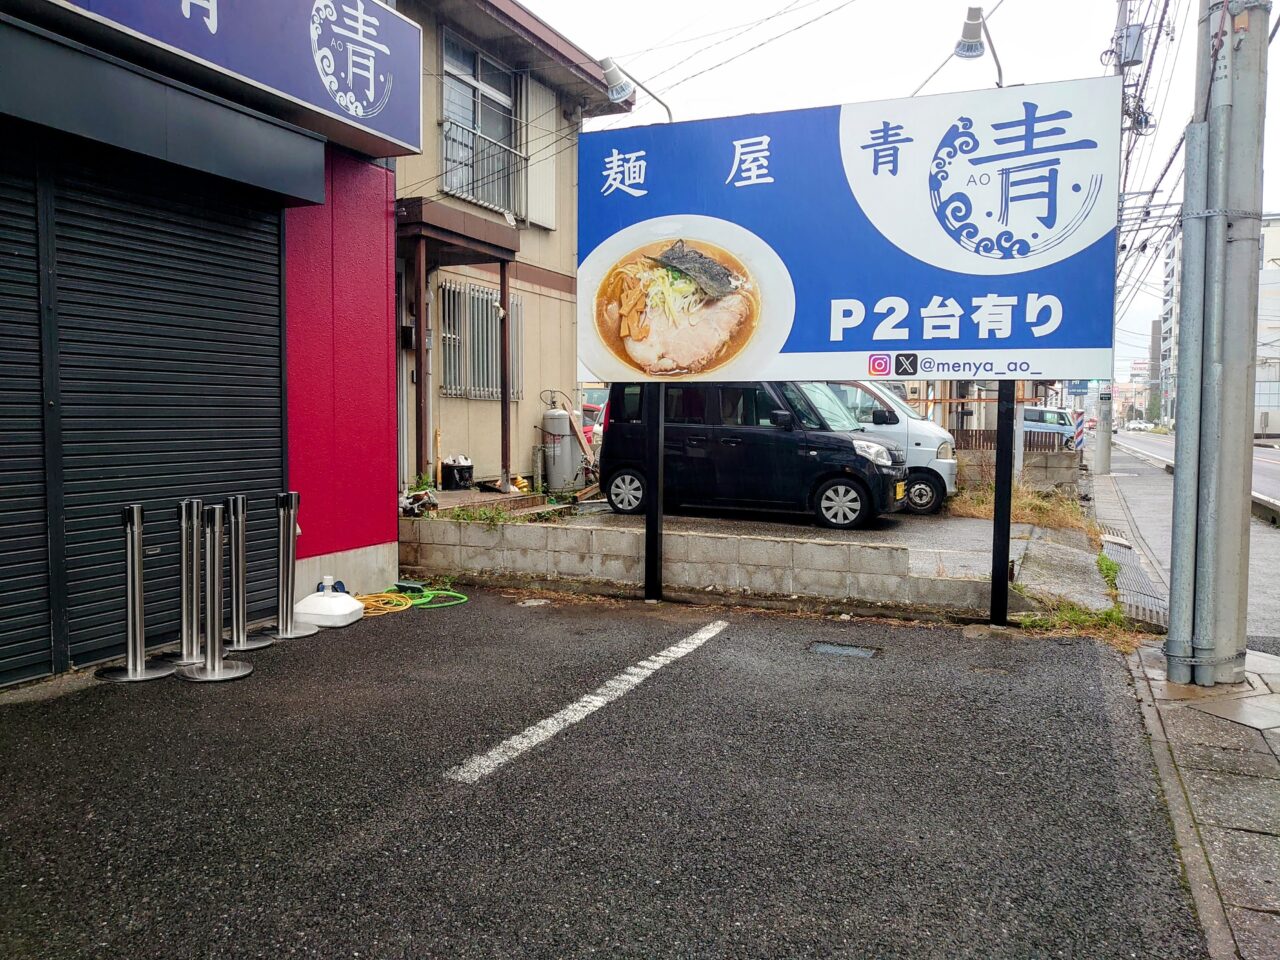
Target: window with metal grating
453	380
470	341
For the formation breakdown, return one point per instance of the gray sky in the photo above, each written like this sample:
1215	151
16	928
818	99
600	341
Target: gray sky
881	49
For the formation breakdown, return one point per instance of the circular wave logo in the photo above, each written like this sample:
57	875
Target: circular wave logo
1018	194
349	57
990	183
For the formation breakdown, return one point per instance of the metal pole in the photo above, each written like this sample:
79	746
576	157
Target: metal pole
1186	474
655	396
1003	505
214	668
238	520
1204	642
136	665
1019	440
504	368
422	358
1102	437
288	505
190	513
1246	41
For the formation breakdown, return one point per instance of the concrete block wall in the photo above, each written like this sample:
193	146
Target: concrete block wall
1059	470
871	573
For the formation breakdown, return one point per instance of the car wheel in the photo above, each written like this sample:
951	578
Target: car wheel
626	491
924	494
842	504
1069	443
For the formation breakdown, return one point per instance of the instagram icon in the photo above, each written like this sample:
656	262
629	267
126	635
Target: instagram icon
879	364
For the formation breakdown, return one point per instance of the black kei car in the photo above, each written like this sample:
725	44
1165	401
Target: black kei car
788	446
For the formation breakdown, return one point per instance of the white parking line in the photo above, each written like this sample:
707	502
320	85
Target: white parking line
480	766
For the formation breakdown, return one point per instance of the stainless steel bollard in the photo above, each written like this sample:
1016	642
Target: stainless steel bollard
190	521
237	521
136	665
288	504
214	667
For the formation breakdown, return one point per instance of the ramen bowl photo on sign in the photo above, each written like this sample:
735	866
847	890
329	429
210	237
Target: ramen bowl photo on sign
682	296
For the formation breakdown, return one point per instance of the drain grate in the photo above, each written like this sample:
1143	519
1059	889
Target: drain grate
844	650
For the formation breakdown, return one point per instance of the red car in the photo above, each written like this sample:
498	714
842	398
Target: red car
592	419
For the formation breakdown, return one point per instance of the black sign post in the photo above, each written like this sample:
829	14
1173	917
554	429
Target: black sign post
654	406
1003	505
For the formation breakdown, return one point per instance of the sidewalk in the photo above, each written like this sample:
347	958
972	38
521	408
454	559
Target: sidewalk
1216	748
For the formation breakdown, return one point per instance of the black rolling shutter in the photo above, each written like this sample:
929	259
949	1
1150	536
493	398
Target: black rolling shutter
169	306
25	638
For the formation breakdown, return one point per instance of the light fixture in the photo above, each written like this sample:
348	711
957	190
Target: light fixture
622	85
971	45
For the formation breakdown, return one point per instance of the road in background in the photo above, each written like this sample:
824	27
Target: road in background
1266	460
1147	491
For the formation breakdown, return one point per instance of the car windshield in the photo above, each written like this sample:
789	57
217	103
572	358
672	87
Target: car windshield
837	415
902	406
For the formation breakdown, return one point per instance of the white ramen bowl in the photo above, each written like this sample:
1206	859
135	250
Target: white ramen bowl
773	287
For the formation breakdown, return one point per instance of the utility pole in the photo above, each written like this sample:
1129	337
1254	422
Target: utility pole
1102	436
1211	518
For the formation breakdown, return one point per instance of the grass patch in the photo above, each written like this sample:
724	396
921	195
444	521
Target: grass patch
1110	571
495	516
1064	618
1052	511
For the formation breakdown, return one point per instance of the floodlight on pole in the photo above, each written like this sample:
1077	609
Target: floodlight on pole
622	85
971	46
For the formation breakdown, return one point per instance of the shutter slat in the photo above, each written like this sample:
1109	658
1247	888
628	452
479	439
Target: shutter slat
26	645
169	333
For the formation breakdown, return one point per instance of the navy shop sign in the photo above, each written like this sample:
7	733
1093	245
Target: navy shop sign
355	61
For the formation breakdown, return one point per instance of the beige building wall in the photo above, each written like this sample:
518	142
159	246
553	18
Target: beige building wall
550	355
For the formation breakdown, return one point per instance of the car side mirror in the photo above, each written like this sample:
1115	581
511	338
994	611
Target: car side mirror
784	420
882	418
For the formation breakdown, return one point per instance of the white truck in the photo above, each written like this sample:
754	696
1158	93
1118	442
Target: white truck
931	450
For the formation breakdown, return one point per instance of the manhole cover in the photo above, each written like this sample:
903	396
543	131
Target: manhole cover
844	650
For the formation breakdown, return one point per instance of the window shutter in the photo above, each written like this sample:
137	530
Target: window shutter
541	116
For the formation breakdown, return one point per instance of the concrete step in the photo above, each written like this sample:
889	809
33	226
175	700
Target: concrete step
507	504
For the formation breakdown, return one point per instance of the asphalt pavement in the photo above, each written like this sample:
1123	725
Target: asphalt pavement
743	795
1266	460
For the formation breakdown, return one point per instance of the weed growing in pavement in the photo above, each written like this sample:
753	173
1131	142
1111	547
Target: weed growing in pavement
1054	511
494	516
490	516
1110	571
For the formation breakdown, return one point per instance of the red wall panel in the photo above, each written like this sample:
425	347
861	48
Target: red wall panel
340	272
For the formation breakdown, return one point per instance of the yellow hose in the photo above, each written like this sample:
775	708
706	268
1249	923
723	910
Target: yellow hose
377	604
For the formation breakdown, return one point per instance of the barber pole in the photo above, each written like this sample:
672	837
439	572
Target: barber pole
1079	418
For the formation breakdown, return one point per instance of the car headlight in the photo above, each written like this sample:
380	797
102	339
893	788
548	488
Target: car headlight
874	452
946	450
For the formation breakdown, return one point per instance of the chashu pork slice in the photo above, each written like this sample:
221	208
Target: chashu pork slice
692	343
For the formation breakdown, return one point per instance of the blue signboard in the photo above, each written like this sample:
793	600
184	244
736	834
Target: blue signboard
955	237
1077	388
355	61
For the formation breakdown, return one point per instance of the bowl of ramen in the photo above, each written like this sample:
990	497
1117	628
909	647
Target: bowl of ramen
679	297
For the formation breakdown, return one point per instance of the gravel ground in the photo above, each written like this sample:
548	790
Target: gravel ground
949	798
